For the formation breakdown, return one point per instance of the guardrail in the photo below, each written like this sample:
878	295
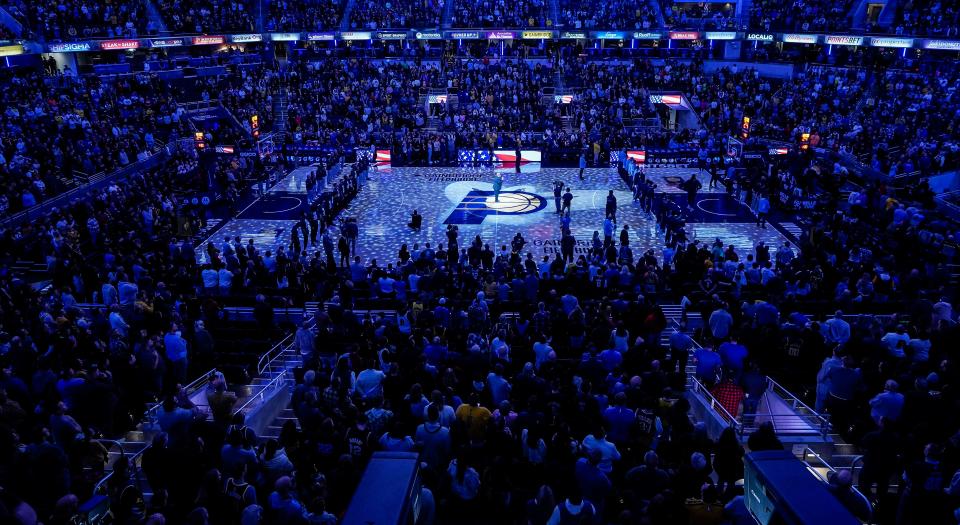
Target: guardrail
694	385
273	353
744	423
275	384
132	459
811	455
150	417
97	181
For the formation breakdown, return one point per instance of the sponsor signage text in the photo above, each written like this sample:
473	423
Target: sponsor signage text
844	40
69	47
721	35
242	39
284	37
800	38
321	37
208	40
109	45
891	42
535	35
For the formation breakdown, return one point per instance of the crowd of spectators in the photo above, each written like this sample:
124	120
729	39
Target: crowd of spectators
59	20
60	130
245	93
501	96
709	16
576	14
313	15
401	14
566	408
926	18
208	16
801	15
900	123
501	13
348	102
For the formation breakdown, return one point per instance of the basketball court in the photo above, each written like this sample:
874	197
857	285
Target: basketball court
464	197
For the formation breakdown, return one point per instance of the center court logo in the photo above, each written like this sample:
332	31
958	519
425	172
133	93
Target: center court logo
478	204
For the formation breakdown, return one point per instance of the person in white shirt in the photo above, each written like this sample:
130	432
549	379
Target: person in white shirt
896	342
542	351
447	414
607	450
225	278
117	323
211	279
369	383
386	285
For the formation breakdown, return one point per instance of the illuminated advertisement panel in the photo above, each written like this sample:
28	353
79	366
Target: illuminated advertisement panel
111	45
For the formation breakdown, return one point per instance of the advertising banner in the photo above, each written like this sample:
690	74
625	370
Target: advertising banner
609	35
950	45
891	42
391	35
243	39
69	47
6	51
844	40
646	35
355	35
721	35
321	37
800	38
429	35
167	42
111	45
463	35
536	35
208	40
684	35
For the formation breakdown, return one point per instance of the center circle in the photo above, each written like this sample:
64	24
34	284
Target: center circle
511	202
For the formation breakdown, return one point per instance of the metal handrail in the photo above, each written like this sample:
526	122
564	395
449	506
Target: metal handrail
714	404
808	452
267	358
96	178
274	384
803	411
132	459
150	415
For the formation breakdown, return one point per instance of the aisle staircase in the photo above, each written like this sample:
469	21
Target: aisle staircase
280	103
889	14
554	12
446	21
263	403
661	21
153	16
347	11
743	10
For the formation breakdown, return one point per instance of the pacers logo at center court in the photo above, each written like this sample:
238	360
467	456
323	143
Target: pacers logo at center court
478	204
